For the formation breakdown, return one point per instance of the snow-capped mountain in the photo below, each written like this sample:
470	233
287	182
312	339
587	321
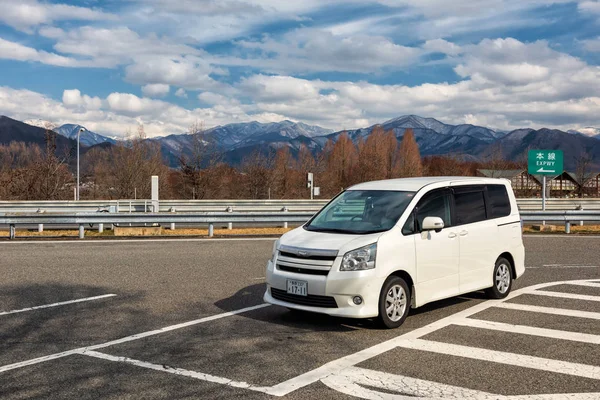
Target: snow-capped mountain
39	123
587	131
87	138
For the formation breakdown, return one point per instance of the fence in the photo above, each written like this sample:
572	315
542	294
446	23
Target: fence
140	206
210	218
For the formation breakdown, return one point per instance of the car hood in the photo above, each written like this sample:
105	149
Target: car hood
302	238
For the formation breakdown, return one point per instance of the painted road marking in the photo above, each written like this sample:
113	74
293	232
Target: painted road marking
501	357
112	241
565	266
587	284
125	339
176	371
565	295
530	330
548	310
357	382
335	373
62	303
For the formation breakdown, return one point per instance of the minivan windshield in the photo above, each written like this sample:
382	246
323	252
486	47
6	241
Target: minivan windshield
361	212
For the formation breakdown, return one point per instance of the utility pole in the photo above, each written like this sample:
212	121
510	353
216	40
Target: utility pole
78	134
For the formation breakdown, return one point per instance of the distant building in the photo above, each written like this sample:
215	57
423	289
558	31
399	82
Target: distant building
523	183
567	184
591	185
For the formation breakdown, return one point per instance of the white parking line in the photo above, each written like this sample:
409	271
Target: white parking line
501	357
562	295
62	303
176	371
548	310
530	330
587	284
112	241
125	339
357	382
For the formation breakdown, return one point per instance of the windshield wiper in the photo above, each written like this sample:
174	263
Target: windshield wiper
330	230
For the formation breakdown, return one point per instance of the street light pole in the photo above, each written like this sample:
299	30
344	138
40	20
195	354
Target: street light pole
78	134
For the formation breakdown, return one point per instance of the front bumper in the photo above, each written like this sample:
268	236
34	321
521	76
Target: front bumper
343	286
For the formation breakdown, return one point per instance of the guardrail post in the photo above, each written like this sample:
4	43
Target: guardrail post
40	226
580	207
285	224
211	230
230	224
12	233
81	231
567	226
172	223
100	228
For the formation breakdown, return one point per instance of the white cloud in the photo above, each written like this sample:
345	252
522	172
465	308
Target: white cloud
73	99
16	51
592	44
156	90
442	46
589	7
181	93
25	14
309	50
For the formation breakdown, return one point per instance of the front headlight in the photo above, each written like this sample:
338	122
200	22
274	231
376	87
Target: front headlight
360	259
275	246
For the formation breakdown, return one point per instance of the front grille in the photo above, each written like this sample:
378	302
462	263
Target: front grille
305	271
309	257
310	300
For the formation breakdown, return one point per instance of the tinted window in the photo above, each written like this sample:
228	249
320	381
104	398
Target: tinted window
470	207
499	202
435	204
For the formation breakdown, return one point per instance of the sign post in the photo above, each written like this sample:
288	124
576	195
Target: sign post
545	162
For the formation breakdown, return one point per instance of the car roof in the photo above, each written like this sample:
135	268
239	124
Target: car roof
416	184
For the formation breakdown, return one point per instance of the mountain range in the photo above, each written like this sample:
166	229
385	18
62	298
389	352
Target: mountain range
236	141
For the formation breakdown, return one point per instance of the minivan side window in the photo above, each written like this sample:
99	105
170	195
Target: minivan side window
498	201
434	204
469	206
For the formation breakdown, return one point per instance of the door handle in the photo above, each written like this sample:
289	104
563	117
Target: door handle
452	235
464	233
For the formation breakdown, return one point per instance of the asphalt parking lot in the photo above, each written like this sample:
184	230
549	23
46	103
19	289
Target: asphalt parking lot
178	319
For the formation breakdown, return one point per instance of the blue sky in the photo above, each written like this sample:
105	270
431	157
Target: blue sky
112	65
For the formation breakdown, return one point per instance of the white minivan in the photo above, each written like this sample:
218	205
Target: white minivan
380	248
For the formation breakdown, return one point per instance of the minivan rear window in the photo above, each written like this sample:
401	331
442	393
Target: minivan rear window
499	202
469	207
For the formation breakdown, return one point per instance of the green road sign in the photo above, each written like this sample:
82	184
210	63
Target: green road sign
545	162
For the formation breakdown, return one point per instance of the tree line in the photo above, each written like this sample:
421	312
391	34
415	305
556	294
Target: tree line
123	171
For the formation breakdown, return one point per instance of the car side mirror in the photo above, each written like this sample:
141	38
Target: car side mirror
432	224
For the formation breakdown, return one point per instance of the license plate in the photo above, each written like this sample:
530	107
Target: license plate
297	287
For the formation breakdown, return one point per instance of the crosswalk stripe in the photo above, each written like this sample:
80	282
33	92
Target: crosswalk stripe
518	360
549	310
562	295
530	330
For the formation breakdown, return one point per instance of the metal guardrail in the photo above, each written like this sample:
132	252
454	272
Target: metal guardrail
141	206
210	218
101	219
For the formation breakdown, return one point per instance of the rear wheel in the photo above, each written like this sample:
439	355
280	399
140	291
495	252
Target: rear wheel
502	280
394	302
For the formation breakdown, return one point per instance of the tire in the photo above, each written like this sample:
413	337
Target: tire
502	280
394	296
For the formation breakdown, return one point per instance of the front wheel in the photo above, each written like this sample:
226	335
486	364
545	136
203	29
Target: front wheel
502	280
394	302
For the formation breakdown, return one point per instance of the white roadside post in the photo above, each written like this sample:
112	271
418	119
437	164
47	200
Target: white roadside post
172	223
311	184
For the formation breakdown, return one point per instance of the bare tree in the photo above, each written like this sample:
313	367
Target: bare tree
582	171
409	158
